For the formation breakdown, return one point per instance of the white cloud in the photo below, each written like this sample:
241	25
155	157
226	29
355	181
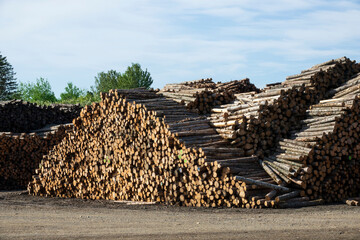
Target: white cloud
176	40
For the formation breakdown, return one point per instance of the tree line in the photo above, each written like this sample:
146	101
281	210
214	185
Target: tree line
41	92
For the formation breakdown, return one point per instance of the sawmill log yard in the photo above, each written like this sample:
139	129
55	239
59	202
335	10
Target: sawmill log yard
198	159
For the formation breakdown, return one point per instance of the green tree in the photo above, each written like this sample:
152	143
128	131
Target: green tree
106	81
75	95
133	77
39	92
8	84
88	98
72	92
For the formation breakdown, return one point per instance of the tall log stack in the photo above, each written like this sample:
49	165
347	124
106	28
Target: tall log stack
202	95
323	157
22	147
142	145
196	132
120	149
255	122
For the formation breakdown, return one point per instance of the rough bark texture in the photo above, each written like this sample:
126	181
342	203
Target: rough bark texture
21	154
292	144
20	117
202	95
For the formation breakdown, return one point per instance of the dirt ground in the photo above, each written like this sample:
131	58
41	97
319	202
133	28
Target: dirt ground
27	217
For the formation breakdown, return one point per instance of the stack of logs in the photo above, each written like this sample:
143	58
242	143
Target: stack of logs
237	86
19	116
323	157
140	149
256	122
202	95
20	154
22	147
139	145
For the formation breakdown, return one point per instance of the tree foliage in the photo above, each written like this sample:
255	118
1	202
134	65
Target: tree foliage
107	80
72	92
134	77
74	95
38	92
8	84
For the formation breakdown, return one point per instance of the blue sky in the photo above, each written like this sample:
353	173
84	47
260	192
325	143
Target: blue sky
72	40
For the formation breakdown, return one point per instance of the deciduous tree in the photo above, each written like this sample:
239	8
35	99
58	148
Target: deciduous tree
134	77
37	92
72	92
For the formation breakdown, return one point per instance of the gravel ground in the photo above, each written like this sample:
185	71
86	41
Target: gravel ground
28	217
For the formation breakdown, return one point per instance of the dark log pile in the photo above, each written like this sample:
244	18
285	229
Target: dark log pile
20	117
323	157
255	122
22	151
20	154
202	95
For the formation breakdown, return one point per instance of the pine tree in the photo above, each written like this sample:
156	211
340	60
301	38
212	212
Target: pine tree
8	84
136	77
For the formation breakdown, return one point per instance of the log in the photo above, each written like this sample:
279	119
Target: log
263	184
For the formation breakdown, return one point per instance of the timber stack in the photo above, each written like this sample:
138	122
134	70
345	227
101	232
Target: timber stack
202	95
21	153
120	149
323	157
27	132
142	145
19	116
255	122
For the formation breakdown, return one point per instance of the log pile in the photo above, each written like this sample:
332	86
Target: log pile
20	154
237	86
255	122
202	95
195	132
20	117
322	159
71	109
22	151
142	145
122	150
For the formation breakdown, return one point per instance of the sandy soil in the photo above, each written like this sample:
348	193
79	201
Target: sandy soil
27	217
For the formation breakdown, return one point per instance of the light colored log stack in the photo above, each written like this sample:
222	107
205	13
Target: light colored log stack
255	122
165	108
322	159
237	86
121	150
202	95
140	145
195	131
20	154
